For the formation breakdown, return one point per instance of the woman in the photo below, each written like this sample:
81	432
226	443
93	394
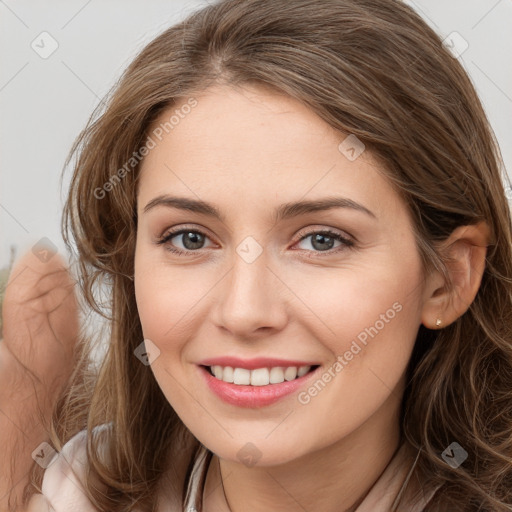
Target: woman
299	211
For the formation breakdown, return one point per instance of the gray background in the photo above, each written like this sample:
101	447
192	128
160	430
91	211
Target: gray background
44	103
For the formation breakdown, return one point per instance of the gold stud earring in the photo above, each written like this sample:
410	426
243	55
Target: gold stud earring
438	322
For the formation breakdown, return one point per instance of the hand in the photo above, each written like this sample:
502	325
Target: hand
40	333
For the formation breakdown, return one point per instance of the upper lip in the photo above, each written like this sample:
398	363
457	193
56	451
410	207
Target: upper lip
252	364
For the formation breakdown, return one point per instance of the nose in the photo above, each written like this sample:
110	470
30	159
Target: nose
252	300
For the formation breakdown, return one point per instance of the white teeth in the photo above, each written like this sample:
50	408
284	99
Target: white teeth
241	376
290	373
228	374
276	375
259	376
303	370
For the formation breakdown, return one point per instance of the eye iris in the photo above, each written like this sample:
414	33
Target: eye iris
321	239
192	237
195	240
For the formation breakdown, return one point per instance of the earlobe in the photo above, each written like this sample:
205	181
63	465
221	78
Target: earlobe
464	253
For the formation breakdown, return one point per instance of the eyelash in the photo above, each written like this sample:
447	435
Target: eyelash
346	243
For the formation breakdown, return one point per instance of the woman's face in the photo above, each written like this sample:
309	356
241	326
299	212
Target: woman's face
262	281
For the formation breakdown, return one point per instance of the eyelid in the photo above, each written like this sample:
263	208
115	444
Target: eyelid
308	231
346	240
321	228
174	230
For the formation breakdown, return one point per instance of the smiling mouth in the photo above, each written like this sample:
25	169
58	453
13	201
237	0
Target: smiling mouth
259	376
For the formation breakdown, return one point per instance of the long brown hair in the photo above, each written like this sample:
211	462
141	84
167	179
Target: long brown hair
372	68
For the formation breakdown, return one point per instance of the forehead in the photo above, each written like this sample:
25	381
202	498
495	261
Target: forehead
255	146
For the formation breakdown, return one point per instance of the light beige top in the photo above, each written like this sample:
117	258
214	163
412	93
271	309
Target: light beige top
381	497
63	492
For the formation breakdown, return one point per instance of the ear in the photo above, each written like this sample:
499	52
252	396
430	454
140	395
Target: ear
464	252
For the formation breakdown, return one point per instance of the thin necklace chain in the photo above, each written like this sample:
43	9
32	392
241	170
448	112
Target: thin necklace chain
404	485
223	490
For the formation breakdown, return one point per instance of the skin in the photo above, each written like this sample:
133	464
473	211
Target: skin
40	331
247	151
350	430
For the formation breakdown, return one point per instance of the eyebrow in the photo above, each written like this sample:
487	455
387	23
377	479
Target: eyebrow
283	212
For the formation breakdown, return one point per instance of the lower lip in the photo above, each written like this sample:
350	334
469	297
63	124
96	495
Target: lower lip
253	396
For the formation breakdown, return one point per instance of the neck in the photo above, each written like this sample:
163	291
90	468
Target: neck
336	478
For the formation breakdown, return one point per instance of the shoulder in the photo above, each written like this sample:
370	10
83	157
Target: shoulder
62	486
63	490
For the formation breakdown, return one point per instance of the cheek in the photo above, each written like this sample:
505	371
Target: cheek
369	322
167	300
370	313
